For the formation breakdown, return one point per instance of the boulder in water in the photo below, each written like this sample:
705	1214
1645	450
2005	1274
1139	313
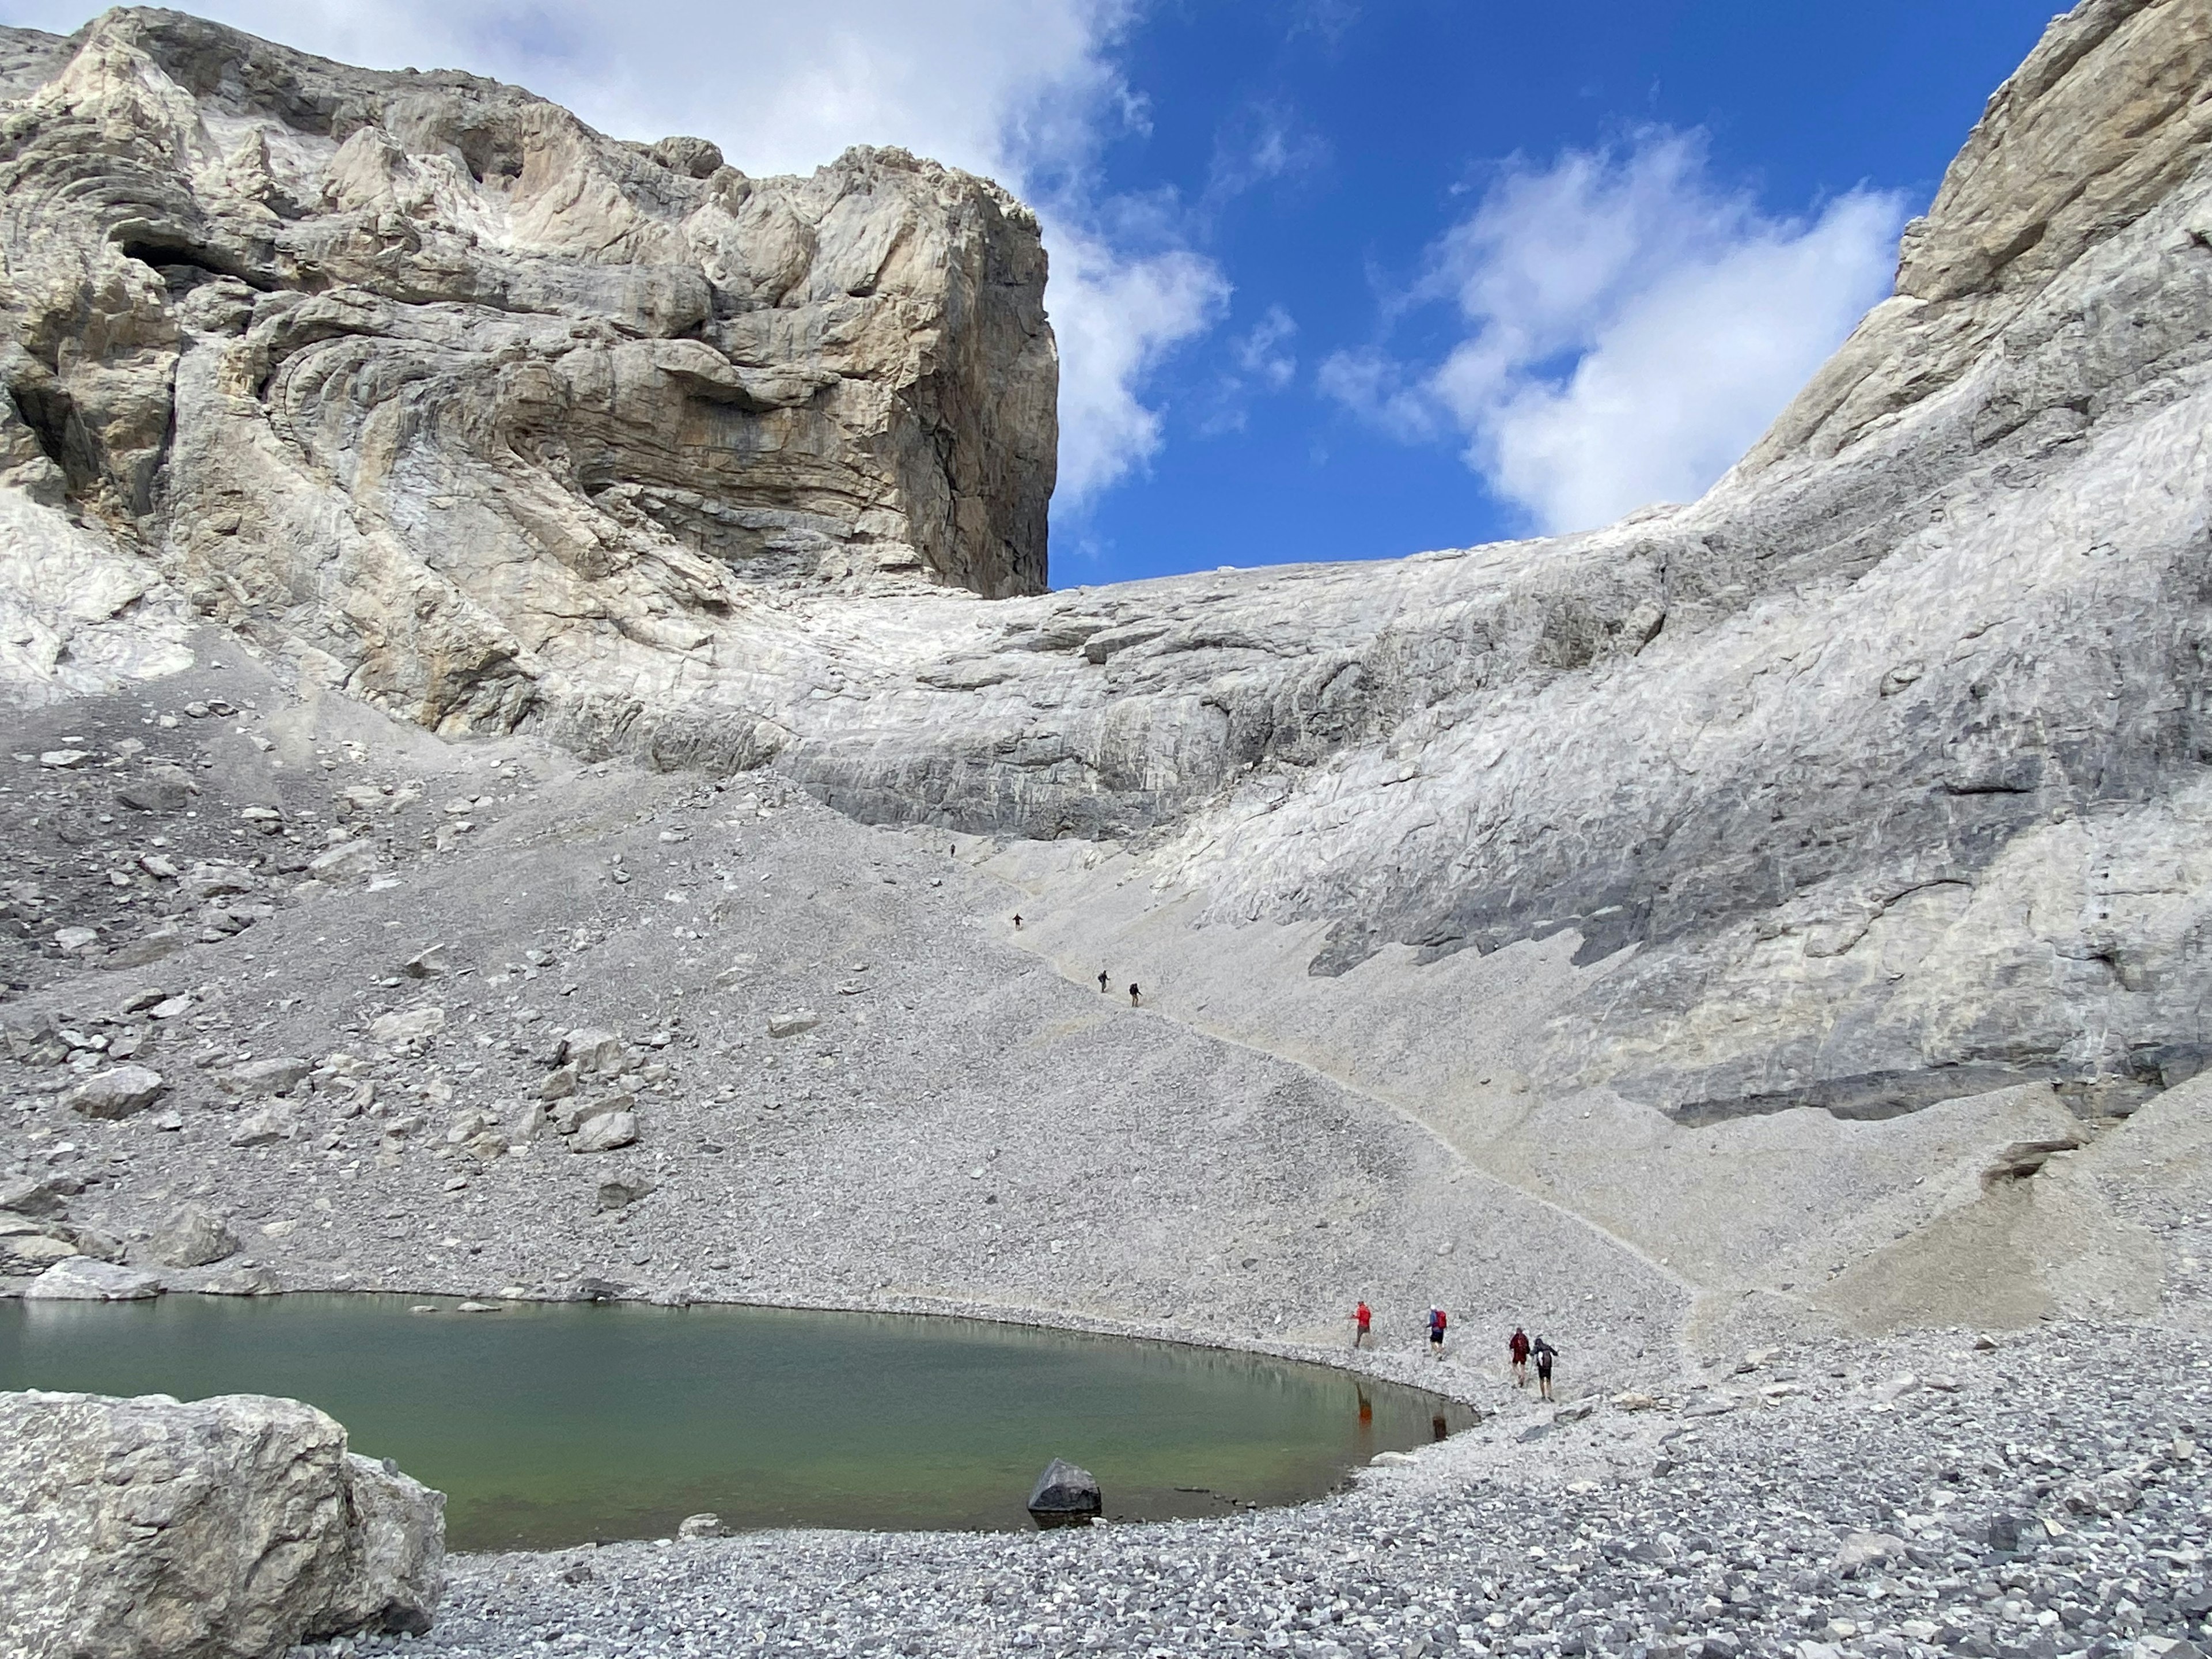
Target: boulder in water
1065	1493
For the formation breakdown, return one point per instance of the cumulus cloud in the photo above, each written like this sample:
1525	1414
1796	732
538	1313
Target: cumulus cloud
1024	91
1629	326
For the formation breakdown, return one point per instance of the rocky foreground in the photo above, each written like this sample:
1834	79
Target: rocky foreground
2041	1496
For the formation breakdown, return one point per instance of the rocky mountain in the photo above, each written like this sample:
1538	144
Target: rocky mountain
492	415
1783	905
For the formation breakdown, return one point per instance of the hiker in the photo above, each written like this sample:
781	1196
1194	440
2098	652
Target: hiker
1517	1348
1101	982
1135	995
1435	1333
1362	1320
1017	921
1545	1353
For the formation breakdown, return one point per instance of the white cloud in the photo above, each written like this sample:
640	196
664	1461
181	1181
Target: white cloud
1264	354
1024	91
1632	327
1116	316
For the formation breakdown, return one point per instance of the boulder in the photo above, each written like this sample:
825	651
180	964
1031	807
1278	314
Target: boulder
234	1528
193	1236
33	1038
278	1075
591	1051
793	1024
411	1026
621	1194
81	1278
348	858
705	1525
1861	1550
24	1250
158	789
262	1128
1063	1491
602	1132
116	1092
239	1281
33	1197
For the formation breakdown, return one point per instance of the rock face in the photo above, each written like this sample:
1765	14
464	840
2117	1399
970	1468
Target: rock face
232	1529
470	396
1870	779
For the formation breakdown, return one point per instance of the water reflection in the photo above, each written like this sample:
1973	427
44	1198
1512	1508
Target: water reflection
557	1422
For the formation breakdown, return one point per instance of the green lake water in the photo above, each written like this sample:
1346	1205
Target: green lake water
550	1424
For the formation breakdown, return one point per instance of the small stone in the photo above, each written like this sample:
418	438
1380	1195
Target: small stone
705	1525
793	1024
427	964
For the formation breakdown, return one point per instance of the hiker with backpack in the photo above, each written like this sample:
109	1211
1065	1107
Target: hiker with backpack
1436	1323
1545	1353
1516	1349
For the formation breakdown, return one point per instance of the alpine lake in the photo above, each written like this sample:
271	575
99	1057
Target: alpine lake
552	1423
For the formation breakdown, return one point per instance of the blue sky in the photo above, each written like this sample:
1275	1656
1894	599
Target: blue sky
1392	124
1333	278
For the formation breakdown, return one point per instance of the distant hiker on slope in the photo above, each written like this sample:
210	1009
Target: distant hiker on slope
1436	1323
1135	996
1101	982
1362	1320
1517	1348
1545	1353
1017	921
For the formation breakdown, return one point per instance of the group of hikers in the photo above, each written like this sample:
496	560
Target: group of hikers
1520	1347
1136	996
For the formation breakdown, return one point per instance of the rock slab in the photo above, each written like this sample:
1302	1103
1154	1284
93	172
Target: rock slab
228	1528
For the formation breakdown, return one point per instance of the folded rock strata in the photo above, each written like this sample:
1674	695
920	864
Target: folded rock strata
420	372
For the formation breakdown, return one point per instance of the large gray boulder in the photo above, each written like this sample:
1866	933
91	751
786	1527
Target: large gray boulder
86	1278
228	1528
116	1092
192	1236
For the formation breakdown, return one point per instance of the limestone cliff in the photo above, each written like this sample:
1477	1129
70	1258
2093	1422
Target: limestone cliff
418	372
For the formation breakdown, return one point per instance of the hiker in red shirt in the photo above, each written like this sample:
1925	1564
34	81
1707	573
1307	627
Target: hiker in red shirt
1518	1348
1363	1319
1435	1333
